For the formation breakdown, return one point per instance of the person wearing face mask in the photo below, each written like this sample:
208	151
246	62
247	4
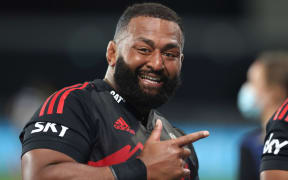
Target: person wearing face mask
264	91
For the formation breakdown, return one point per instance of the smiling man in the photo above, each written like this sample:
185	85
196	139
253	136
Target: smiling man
147	61
109	129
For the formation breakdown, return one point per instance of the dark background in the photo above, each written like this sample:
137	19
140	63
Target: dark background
59	43
47	45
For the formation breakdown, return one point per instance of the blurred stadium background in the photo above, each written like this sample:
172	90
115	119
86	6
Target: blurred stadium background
45	46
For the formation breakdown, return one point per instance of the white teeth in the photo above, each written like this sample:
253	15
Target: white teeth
150	78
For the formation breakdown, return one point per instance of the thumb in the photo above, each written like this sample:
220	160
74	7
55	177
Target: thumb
156	133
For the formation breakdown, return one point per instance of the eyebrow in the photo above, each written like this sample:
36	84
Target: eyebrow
170	46
152	44
147	41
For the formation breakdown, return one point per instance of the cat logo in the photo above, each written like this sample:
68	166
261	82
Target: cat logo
116	96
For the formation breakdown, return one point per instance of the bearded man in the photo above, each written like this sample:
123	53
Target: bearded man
109	128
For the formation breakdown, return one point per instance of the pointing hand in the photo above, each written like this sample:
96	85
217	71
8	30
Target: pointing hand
166	159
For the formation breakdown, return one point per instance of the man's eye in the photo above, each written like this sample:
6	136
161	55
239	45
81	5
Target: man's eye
172	55
144	50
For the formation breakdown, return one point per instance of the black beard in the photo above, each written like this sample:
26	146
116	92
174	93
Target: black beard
127	84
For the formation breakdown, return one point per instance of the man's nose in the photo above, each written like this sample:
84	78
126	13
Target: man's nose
156	62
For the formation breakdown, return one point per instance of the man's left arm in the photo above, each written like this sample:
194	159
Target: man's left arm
274	174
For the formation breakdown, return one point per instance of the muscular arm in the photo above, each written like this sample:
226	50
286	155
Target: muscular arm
274	174
45	164
163	159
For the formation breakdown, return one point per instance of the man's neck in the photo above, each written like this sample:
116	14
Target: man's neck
140	112
109	79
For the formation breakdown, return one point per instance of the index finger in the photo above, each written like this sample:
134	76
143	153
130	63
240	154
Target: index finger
190	138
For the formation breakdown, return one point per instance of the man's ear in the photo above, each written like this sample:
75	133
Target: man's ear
182	57
111	53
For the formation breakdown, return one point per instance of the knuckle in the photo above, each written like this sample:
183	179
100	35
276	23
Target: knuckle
180	172
178	152
174	145
187	151
185	172
173	142
180	161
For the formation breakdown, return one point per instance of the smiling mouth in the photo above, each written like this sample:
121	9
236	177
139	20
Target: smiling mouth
150	81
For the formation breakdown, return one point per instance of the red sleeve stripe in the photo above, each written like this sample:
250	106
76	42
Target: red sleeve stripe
283	112
54	97
64	96
120	156
51	105
281	116
44	105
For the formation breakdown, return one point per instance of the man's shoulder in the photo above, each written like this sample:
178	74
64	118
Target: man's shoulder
281	115
85	92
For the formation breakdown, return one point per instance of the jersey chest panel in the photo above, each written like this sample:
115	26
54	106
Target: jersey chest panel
120	135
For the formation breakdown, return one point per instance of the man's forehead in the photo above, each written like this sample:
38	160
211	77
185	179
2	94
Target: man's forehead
142	26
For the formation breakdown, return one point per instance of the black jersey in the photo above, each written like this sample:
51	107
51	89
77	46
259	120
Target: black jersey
91	123
275	151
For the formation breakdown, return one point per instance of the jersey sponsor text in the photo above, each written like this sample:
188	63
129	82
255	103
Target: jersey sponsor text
268	147
116	96
48	126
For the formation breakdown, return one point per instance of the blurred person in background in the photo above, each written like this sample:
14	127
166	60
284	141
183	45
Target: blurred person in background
87	131
22	105
17	110
264	91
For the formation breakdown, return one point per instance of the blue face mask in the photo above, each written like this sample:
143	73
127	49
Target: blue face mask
247	103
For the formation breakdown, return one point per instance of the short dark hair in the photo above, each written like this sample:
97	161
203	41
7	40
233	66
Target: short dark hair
276	67
156	10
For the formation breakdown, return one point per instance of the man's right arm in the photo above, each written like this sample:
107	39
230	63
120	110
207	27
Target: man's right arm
45	164
163	160
57	145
